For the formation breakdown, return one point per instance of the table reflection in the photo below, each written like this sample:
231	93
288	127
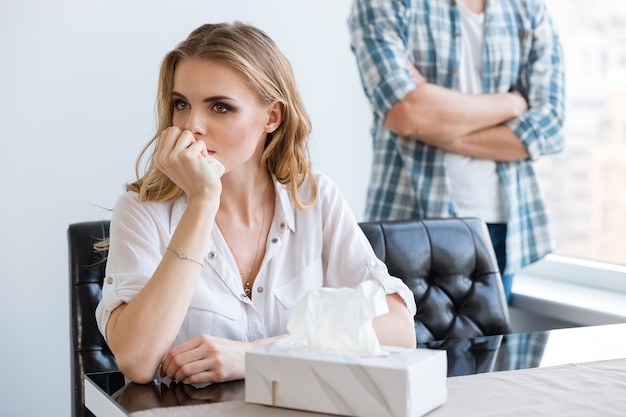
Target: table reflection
492	353
136	397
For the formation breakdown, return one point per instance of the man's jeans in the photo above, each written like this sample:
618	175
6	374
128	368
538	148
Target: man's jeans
498	240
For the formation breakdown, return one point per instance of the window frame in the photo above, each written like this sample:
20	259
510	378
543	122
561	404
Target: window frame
559	288
576	271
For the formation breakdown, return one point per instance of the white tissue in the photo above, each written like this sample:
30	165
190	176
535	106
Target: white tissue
217	165
340	319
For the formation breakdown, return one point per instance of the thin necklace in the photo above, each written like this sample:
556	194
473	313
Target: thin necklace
246	278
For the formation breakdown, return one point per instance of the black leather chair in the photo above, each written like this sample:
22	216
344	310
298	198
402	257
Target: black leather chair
451	267
90	352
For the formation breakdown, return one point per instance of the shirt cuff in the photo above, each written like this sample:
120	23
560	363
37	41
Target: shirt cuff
393	89
393	285
523	130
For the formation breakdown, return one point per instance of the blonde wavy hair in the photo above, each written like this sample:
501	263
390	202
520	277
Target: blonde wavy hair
252	53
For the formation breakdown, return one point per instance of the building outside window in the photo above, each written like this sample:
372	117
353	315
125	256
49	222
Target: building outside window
586	184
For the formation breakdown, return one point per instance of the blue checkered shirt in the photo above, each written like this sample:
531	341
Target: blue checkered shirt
521	52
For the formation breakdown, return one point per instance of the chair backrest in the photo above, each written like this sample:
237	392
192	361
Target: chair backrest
90	352
451	267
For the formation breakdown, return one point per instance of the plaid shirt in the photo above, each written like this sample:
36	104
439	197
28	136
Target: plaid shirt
521	52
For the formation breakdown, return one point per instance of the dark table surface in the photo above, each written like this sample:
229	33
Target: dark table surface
465	357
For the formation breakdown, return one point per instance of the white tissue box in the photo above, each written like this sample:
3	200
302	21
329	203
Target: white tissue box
405	383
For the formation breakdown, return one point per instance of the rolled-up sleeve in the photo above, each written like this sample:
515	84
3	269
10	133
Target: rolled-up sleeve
540	128
379	42
134	253
392	285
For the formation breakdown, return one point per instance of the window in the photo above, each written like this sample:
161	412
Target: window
586	184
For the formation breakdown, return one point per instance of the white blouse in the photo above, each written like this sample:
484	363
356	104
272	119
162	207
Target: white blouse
306	249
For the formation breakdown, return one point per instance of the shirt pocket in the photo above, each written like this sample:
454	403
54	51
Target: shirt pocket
289	294
215	314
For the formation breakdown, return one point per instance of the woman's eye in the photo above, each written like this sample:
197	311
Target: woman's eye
180	105
221	108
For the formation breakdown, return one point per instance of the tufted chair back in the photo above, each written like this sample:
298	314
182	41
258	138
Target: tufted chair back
90	352
451	267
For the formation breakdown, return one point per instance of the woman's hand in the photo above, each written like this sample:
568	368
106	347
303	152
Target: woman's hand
206	359
184	160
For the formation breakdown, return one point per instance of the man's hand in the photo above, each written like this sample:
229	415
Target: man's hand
519	103
415	74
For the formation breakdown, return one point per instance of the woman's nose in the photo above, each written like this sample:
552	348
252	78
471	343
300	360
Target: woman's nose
195	123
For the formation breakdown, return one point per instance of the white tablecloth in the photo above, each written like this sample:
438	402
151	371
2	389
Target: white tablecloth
588	389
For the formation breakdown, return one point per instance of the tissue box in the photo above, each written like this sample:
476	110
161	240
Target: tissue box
405	383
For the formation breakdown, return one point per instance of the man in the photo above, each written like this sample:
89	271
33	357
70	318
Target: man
466	94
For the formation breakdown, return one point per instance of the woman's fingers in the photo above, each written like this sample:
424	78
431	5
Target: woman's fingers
186	359
169	138
205	359
191	369
173	144
184	160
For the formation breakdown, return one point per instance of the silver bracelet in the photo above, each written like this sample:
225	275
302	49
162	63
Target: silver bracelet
183	255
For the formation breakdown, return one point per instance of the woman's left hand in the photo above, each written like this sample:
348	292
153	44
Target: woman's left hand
206	359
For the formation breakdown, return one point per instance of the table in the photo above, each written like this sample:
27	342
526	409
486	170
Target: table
575	371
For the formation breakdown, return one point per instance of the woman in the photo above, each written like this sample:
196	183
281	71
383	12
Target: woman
202	268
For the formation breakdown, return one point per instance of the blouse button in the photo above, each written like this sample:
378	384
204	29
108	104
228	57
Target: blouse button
372	262
274	240
282	225
109	280
212	255
243	296
260	289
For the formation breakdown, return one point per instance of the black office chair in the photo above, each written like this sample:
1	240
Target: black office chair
90	352
451	267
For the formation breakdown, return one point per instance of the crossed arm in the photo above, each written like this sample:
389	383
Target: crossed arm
467	124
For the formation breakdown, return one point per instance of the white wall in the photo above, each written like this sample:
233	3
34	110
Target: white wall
77	84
